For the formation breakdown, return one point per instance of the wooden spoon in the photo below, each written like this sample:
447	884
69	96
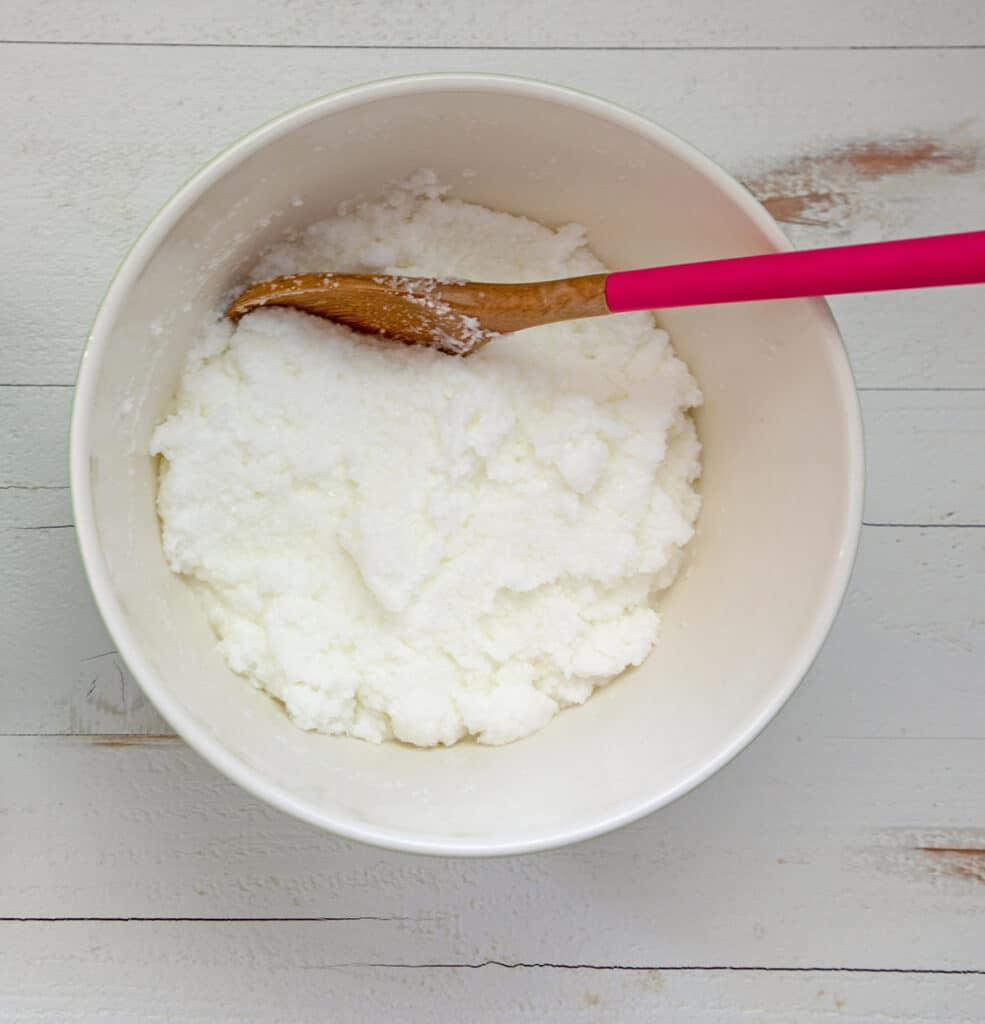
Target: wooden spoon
458	317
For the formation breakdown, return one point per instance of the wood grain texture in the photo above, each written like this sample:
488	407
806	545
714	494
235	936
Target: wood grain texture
924	456
803	827
445	23
96	973
828	189
77	189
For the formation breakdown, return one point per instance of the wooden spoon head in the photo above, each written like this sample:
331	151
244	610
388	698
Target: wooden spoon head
456	317
414	310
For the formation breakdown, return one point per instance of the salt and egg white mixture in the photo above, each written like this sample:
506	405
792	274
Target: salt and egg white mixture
400	544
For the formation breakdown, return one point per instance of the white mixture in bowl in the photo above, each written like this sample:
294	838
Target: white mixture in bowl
401	544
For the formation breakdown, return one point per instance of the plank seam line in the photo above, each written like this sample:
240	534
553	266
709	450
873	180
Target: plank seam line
136	739
55	526
934	739
33	487
902	389
94	737
910	389
577	48
900	526
895	526
197	920
750	968
518	965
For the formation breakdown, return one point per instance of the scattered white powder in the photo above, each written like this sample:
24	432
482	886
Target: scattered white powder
402	544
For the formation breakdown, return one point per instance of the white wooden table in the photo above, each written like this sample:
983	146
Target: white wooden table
835	870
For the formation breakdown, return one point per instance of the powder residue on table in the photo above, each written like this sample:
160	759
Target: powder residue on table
396	543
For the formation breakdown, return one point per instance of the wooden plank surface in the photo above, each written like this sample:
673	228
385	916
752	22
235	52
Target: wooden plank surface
804	853
448	23
835	871
290	974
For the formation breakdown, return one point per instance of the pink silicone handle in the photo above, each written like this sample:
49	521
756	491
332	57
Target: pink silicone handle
877	266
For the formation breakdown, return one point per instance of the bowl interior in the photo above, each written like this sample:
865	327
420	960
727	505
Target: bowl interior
781	465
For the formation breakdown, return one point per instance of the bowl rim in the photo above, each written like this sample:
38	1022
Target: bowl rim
96	569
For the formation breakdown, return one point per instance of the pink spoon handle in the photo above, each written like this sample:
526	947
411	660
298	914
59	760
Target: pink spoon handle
874	267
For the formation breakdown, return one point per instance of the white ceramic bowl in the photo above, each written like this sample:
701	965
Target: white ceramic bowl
782	465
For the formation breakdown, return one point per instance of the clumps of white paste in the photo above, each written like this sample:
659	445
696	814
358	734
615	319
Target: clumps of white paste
397	543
